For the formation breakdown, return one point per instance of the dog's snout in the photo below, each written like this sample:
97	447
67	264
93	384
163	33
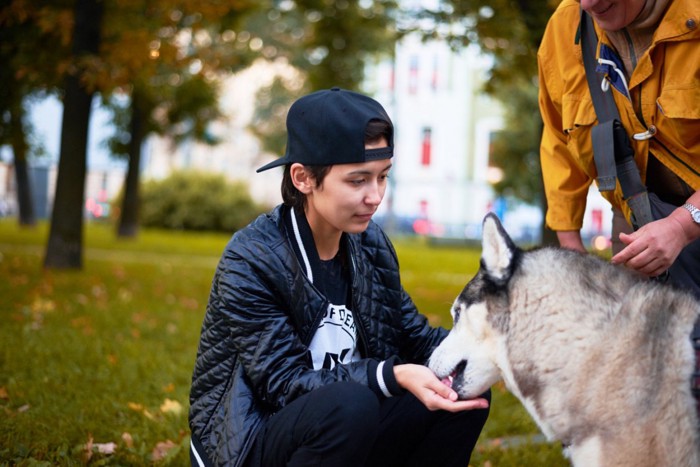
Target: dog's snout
461	366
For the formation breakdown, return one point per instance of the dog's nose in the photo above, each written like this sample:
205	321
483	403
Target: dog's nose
461	366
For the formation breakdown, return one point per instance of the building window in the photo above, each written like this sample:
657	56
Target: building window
426	147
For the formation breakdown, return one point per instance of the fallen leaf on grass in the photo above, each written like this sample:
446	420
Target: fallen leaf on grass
119	272
162	449
99	291
171	406
190	303
138	317
496	442
105	448
23	409
128	440
91	447
125	295
134	406
18	317
87	450
140	408
16	280
42	305
3	393
84	324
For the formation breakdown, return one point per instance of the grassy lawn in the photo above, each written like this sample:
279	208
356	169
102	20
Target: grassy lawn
95	365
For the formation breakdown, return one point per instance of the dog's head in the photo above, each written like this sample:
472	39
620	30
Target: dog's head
468	355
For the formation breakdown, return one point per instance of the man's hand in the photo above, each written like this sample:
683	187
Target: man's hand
653	248
433	393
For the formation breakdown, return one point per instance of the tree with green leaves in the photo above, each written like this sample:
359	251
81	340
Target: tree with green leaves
165	59
162	56
329	44
171	82
508	30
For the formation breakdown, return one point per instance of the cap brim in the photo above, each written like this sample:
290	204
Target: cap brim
273	164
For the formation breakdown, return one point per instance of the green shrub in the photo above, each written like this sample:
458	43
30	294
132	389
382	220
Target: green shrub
197	201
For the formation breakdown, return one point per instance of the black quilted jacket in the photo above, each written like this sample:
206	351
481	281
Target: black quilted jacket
253	355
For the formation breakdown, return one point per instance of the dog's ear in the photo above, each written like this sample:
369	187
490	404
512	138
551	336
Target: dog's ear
498	253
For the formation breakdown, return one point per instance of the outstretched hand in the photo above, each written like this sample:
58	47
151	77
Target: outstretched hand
433	393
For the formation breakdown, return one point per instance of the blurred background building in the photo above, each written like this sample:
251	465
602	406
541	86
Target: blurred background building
441	181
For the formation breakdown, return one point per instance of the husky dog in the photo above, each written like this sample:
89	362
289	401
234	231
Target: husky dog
600	357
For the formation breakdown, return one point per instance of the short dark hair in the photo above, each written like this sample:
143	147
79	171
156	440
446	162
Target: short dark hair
376	129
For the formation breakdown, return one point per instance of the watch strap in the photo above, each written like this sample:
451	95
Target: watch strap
694	212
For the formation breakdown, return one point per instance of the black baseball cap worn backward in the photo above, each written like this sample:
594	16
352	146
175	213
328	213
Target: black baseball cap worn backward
328	127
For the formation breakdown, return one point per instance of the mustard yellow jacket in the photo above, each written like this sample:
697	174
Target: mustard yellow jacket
665	87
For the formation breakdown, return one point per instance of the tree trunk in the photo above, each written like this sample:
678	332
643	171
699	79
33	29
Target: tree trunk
25	202
65	246
128	218
20	148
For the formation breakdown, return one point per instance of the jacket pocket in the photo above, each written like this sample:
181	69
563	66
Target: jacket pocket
577	112
578	118
679	118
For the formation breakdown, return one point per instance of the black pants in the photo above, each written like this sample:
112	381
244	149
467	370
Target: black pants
345	424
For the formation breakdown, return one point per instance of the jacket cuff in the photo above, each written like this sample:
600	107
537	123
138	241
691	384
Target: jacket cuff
382	379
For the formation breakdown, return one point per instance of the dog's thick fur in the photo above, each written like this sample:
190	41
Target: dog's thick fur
599	357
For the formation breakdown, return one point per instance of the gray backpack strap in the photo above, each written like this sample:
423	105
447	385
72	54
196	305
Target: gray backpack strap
605	109
612	151
633	190
602	137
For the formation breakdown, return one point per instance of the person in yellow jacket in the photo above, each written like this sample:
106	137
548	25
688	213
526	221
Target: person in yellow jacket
651	49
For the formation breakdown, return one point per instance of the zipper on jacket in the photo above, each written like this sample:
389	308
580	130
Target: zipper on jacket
636	103
317	320
638	107
355	309
306	265
632	52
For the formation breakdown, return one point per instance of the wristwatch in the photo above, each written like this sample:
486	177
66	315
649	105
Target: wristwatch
694	212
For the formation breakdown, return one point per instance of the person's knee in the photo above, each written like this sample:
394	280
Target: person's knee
351	405
479	416
346	423
487	396
468	421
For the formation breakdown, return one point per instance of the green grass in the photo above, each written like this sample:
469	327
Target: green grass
104	355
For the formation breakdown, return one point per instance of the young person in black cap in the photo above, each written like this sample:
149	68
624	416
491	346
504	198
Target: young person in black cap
311	352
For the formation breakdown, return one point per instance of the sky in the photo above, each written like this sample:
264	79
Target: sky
46	116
